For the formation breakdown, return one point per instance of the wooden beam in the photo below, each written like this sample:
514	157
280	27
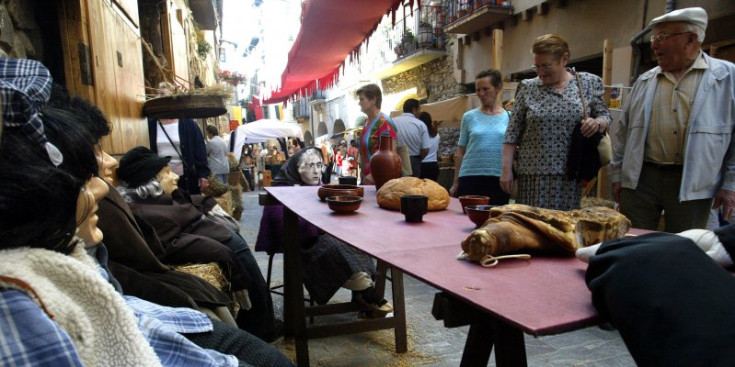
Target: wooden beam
607	68
498	51
604	187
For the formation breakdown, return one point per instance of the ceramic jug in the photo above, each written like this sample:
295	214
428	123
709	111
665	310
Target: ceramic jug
385	165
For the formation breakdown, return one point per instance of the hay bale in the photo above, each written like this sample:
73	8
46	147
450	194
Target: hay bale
225	201
210	272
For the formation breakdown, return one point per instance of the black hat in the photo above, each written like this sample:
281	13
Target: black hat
139	165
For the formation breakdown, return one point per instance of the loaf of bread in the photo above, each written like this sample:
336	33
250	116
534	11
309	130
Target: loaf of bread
389	196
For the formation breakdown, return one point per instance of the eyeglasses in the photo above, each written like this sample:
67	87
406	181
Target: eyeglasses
663	36
544	67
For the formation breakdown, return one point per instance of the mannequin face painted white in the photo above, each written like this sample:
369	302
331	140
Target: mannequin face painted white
91	193
168	180
310	167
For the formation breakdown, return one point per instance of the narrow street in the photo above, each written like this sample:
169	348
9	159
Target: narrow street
430	343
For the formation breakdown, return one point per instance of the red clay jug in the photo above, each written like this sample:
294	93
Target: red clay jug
385	165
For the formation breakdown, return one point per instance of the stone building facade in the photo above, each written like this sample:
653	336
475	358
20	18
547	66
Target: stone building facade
20	35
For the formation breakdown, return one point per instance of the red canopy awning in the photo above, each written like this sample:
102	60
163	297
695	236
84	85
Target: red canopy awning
331	30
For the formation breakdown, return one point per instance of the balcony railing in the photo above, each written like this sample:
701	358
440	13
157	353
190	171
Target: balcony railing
468	16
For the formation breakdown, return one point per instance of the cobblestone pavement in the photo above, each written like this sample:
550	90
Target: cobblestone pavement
430	343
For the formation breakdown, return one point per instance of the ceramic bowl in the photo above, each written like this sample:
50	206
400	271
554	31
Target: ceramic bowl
344	203
478	214
339	190
473	200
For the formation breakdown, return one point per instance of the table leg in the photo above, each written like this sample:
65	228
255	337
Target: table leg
479	343
486	332
399	310
510	347
293	288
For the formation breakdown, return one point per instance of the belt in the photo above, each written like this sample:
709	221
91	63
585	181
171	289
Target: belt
415	156
663	166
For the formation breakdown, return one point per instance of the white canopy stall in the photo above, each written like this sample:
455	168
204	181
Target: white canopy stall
263	130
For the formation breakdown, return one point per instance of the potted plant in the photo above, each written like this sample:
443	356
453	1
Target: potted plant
408	42
426	34
231	77
398	50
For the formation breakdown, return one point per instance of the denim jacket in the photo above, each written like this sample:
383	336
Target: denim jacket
709	163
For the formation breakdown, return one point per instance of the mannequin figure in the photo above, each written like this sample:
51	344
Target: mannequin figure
328	263
182	140
186	232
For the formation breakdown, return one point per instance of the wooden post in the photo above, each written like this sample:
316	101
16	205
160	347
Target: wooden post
604	187
607	69
498	55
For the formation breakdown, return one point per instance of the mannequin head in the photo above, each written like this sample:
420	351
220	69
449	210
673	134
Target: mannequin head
304	168
168	180
139	171
310	166
41	197
91	193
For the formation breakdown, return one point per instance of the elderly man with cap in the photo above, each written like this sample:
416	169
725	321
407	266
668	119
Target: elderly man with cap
673	151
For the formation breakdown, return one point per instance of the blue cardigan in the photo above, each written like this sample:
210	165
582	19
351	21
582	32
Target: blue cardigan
193	152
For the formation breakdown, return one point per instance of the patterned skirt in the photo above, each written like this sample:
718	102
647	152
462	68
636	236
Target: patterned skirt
549	191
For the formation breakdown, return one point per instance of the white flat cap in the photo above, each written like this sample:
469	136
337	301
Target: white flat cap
696	16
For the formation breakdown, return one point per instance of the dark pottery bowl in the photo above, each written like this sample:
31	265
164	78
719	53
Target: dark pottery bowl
344	203
478	214
473	200
340	190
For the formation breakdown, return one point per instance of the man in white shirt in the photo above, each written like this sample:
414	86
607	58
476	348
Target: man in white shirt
413	134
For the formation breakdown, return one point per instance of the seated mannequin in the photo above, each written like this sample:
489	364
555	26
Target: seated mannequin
77	316
186	233
132	247
328	263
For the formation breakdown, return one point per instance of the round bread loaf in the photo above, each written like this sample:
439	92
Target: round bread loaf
389	196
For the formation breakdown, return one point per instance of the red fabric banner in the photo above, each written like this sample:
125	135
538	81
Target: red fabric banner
331	30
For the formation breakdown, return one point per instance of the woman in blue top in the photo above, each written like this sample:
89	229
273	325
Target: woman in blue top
480	155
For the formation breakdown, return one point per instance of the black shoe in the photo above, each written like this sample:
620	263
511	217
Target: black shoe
270	334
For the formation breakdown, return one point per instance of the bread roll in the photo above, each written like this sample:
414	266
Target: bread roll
389	196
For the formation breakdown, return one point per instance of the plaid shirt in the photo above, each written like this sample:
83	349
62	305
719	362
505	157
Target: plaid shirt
162	327
29	337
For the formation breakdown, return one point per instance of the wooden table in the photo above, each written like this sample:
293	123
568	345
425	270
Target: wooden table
540	296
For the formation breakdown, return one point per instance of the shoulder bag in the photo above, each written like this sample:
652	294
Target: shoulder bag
604	148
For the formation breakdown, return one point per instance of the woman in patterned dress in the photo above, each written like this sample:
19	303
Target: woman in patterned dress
546	112
377	124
